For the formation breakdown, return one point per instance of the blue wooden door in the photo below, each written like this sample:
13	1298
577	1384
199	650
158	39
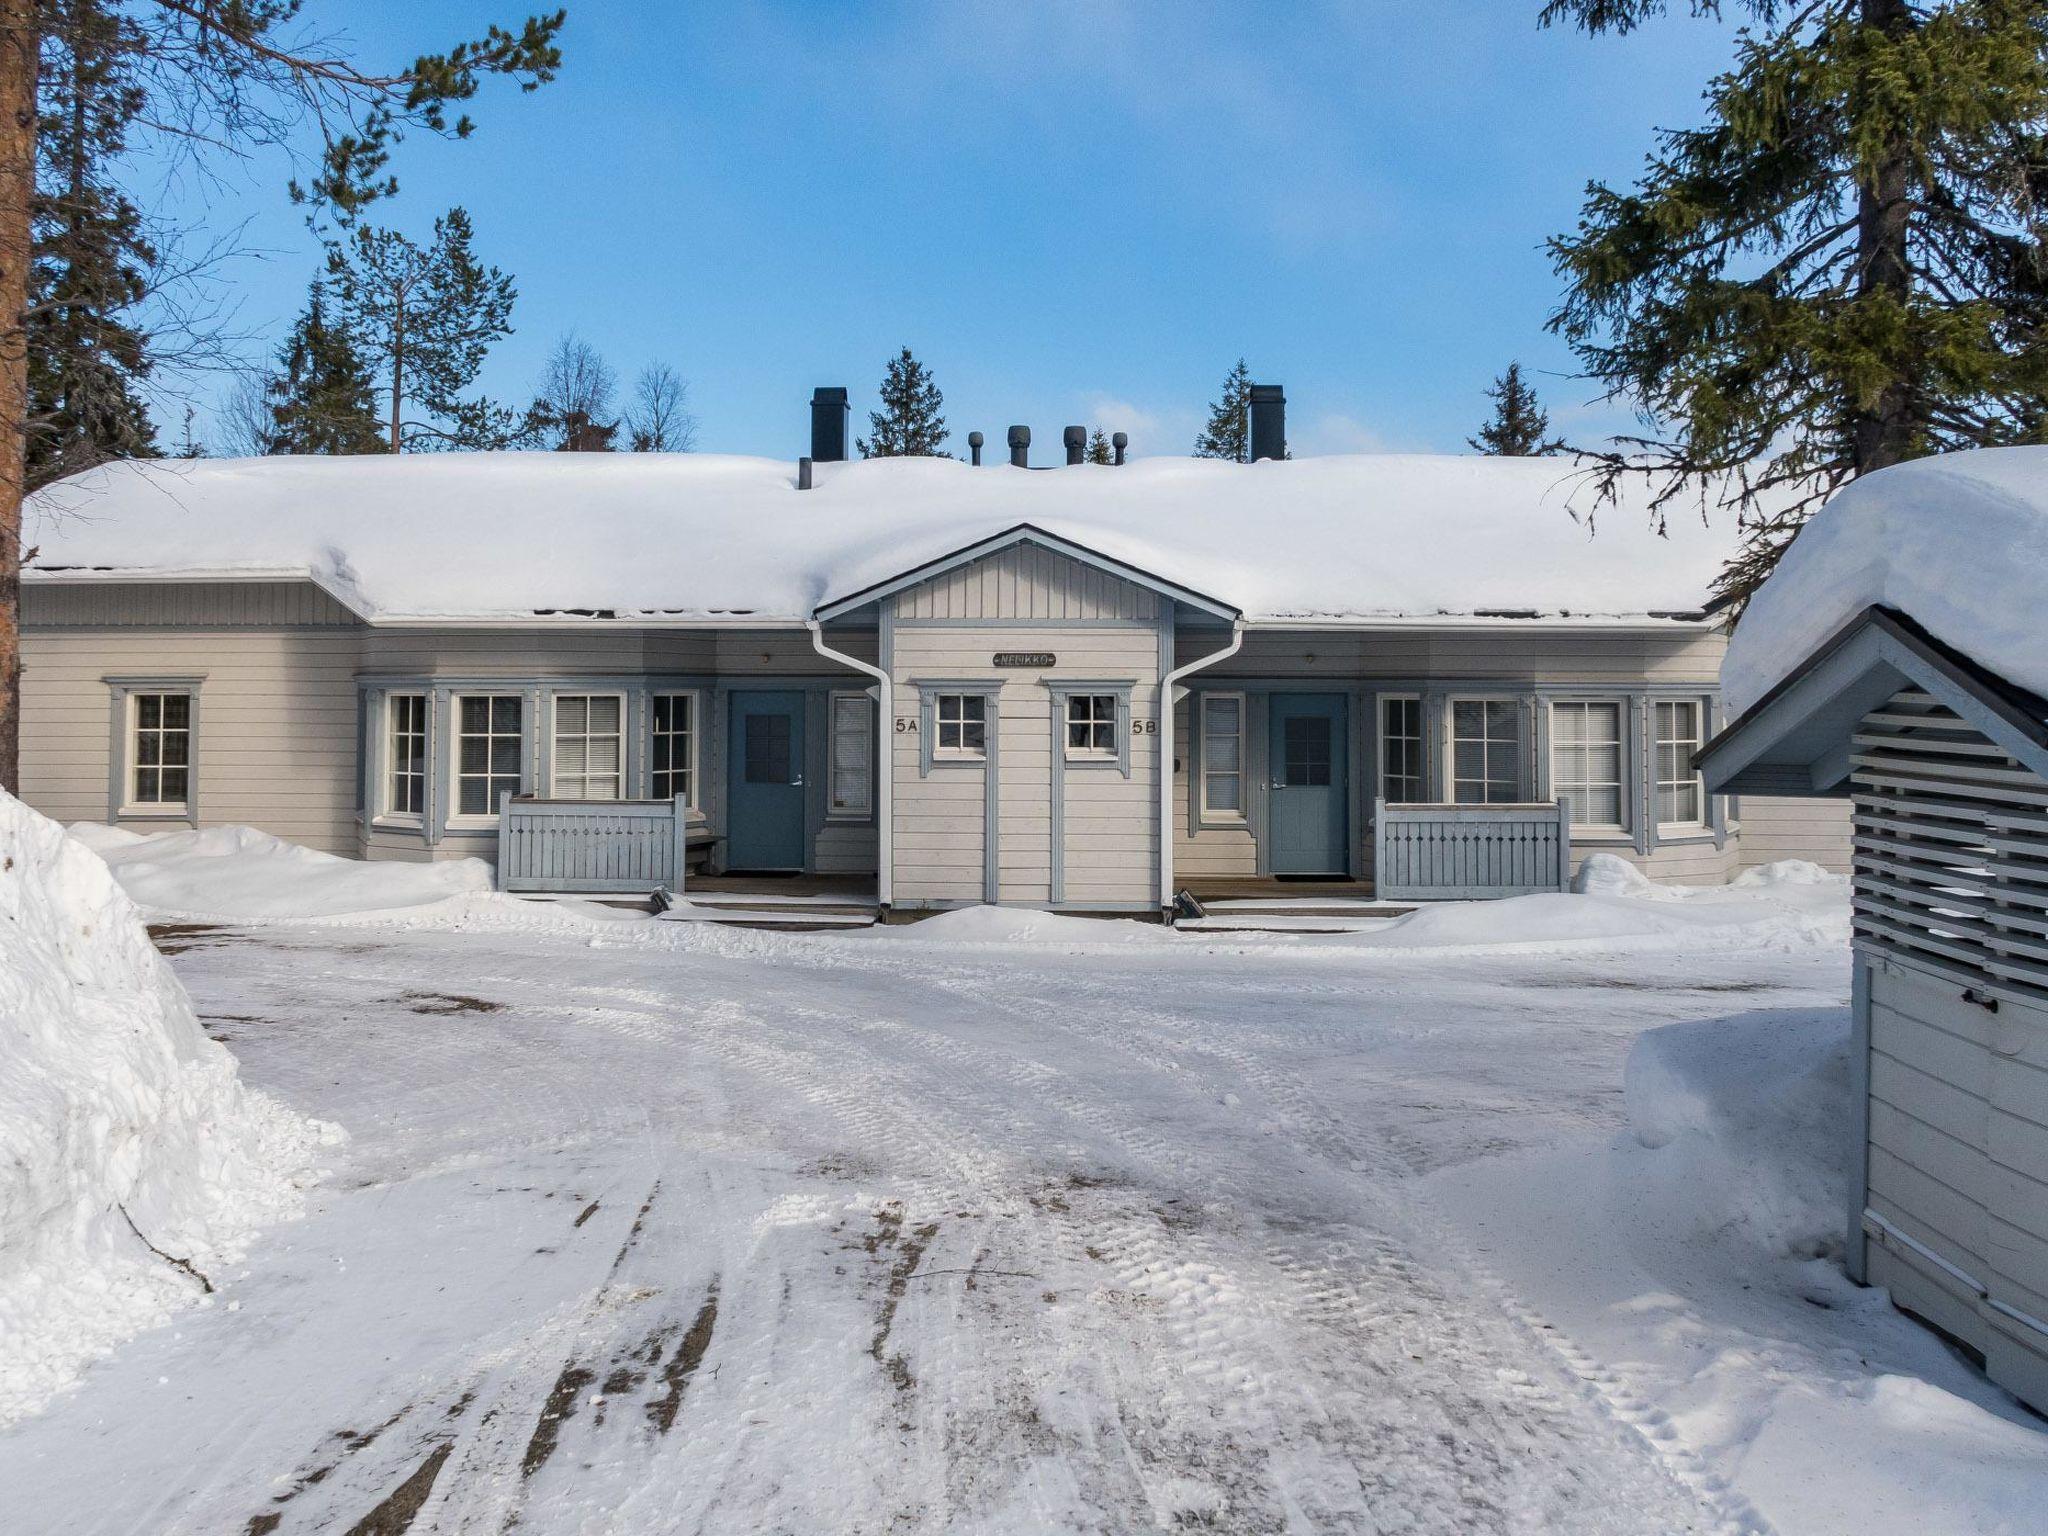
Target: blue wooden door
1306	818
765	782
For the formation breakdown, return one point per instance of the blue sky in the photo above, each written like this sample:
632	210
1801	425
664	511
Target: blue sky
1075	211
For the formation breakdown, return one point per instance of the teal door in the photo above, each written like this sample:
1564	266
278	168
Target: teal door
1306	818
764	779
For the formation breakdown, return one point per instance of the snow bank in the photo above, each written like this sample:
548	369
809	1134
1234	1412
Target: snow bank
710	536
1958	543
1741	1127
114	1109
1021	925
238	874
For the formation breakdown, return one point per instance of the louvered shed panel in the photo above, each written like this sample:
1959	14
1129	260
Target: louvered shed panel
1951	848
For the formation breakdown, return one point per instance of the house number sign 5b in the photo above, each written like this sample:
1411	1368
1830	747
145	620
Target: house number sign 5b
1026	659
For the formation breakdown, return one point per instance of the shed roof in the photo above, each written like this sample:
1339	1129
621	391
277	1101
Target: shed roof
712	538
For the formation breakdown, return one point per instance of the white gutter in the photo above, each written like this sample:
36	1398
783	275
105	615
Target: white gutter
885	769
1167	701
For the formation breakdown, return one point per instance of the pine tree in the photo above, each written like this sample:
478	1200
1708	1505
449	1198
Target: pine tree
323	400
909	423
1099	449
424	317
1845	267
1519	424
1229	432
222	76
87	357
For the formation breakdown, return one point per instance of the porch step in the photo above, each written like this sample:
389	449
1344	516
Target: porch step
799	914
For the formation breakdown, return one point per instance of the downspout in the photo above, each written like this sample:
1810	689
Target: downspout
1167	703
885	765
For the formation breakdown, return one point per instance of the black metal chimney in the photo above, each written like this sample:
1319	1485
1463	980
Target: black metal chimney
974	442
829	413
1119	441
1076	440
1020	447
1269	422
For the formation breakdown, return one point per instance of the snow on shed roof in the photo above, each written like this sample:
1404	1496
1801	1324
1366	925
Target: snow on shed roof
711	537
1957	543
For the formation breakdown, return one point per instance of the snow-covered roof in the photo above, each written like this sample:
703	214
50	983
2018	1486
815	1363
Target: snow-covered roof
706	538
1957	543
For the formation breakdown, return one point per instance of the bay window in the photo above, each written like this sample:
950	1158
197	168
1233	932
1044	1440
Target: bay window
1586	760
672	747
1403	778
1681	797
1486	751
488	750
589	756
405	754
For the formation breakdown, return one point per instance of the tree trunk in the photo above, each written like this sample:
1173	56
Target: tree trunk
1884	431
19	51
397	376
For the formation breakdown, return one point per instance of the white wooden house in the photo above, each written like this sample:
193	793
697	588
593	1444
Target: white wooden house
1944	757
1081	688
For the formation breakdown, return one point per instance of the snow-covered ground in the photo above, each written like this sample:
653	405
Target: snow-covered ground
1004	1222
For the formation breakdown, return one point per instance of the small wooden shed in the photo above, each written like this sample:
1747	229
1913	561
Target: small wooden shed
1946	764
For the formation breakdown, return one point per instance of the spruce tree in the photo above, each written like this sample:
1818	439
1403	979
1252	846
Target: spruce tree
1229	432
1099	450
88	358
909	423
424	316
1519	426
323	400
1846	266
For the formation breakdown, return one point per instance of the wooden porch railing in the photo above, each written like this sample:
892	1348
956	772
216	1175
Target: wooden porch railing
1461	852
592	847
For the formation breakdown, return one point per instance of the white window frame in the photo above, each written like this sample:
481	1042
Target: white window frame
622	774
1450	742
960	753
131	730
387	778
866	715
1090	754
1242	772
1622	797
1420	738
693	739
1658	781
457	817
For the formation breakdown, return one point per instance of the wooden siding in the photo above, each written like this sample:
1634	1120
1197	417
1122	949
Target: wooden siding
276	745
1952	942
1107	855
1620	657
208	604
1777	827
1457	852
1028	581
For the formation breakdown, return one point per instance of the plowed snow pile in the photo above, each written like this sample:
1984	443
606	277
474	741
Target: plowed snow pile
115	1109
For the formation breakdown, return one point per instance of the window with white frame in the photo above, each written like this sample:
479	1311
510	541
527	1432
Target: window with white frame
960	725
853	755
159	751
1681	797
589	757
487	750
1486	751
1403	779
1586	760
1223	754
1091	725
672	747
405	754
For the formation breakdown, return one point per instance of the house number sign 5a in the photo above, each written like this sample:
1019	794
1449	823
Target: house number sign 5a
1026	659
